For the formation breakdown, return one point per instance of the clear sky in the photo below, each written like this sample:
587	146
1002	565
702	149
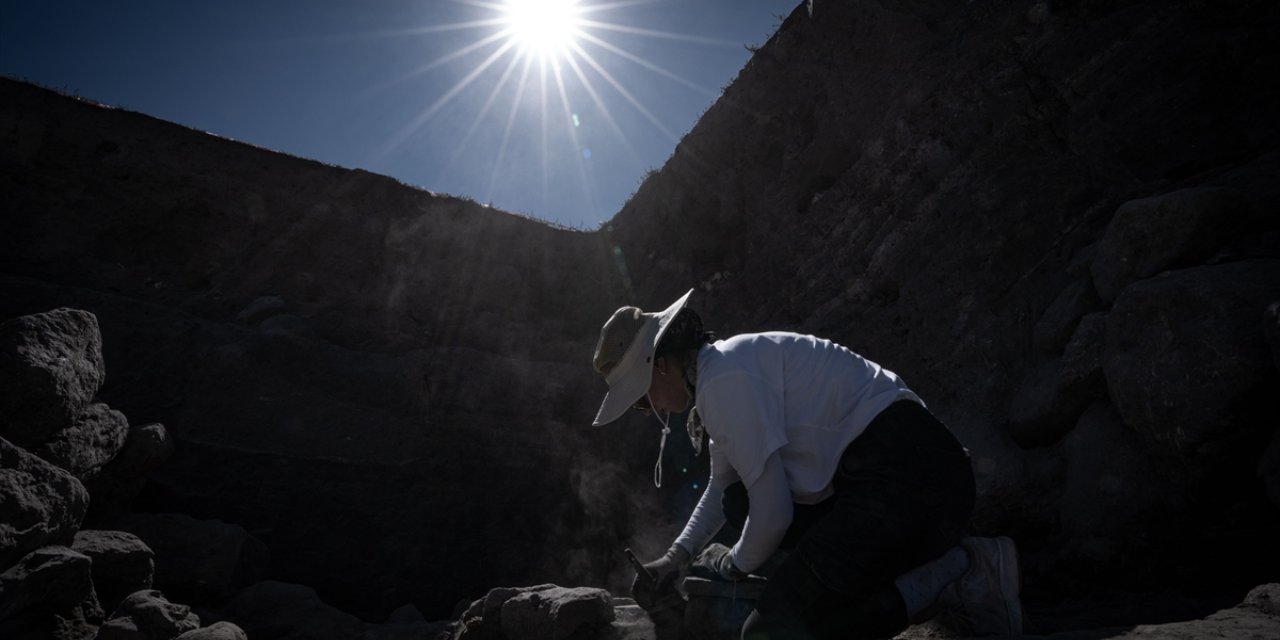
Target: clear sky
487	99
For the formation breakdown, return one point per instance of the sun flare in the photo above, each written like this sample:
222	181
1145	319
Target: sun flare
542	28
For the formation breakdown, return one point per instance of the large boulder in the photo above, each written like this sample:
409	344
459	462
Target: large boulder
40	504
483	619
1273	331
193	557
1269	469
1054	329
122	479
98	434
1186	357
122	563
557	613
148	615
1051	399
1171	230
50	369
49	594
217	631
544	611
271	610
1118	498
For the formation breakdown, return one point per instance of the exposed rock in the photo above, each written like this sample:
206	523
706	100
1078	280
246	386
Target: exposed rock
1117	498
1186	352
1272	330
98	434
630	622
148	615
1052	398
406	614
196	558
146	447
1269	469
909	179
1082	361
1038	414
483	619
122	564
270	610
1264	599
49	594
261	309
50	368
216	631
543	611
1255	618
120	481
1172	230
40	504
557	613
1059	321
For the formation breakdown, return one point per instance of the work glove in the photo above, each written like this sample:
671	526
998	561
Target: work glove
650	591
716	563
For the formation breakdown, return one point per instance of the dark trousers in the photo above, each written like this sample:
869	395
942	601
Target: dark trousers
904	492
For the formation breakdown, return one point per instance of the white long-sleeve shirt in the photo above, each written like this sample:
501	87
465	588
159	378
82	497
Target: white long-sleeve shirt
779	409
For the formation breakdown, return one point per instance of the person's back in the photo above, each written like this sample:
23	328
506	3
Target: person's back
816	397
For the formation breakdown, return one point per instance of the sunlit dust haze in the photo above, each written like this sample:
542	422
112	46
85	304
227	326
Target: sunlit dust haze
550	108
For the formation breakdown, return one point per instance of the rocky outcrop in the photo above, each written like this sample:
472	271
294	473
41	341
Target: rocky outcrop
196	557
50	367
1057	225
122	564
40	504
216	631
1186	352
119	482
148	615
49	593
544	612
48	590
95	438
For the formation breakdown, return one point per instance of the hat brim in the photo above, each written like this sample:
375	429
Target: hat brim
630	379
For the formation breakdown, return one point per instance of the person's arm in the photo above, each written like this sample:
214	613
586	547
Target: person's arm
708	516
768	518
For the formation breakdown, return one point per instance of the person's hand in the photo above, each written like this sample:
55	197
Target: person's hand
716	562
663	572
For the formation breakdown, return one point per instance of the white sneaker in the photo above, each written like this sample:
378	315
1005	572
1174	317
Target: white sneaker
984	601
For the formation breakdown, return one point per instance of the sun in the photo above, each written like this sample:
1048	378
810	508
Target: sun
545	29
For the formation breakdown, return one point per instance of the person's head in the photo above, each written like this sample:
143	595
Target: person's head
644	358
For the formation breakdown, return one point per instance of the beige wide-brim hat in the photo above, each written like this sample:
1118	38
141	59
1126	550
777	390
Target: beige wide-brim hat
624	356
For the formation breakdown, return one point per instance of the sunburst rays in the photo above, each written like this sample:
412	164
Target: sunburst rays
540	69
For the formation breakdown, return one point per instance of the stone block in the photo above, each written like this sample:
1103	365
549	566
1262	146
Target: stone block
94	439
148	615
122	564
49	594
1186	351
1172	230
50	368
40	504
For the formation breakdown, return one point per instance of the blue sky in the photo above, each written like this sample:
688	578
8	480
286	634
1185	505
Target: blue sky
428	91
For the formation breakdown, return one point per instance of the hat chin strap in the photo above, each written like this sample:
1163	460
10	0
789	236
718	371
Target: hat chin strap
662	444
